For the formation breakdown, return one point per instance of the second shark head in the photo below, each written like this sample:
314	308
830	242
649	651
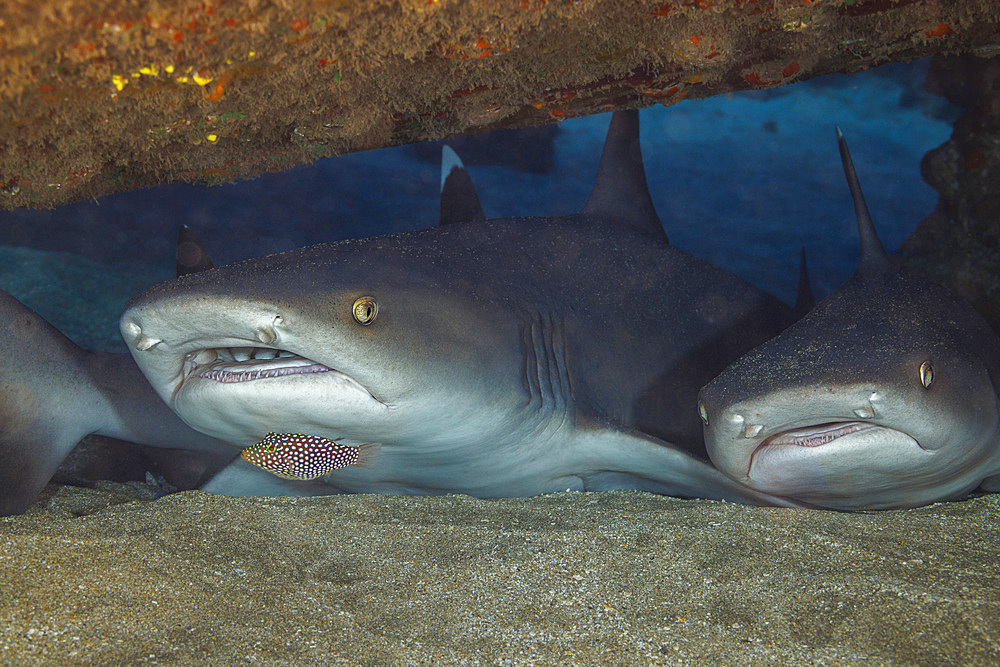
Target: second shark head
882	396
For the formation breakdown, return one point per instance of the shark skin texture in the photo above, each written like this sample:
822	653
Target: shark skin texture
883	396
500	357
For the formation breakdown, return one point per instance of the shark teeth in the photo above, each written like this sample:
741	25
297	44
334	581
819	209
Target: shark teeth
244	364
242	354
225	375
814	436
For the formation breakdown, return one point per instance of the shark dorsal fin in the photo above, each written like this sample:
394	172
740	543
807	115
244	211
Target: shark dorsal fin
873	257
459	202
804	298
191	254
620	194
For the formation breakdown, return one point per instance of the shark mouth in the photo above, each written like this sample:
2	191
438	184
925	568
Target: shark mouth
245	364
814	436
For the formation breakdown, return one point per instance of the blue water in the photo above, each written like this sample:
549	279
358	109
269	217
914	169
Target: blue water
742	180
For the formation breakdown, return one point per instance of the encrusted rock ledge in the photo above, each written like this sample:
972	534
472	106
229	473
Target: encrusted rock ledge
100	96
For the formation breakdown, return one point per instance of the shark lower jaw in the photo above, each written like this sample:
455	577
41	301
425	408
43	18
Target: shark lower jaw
265	371
849	465
248	364
853	440
834	464
815	435
239	394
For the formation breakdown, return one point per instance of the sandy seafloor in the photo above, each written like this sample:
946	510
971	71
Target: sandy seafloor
114	575
107	577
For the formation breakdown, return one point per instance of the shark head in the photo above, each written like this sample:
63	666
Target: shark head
349	341
882	396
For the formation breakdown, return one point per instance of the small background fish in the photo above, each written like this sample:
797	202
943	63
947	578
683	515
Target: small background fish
298	456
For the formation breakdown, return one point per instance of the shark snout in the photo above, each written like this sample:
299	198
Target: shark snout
762	416
176	326
813	415
173	339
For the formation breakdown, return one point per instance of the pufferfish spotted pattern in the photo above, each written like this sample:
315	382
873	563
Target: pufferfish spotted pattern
300	456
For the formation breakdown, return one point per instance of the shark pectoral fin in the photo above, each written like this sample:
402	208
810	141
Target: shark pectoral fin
634	460
240	478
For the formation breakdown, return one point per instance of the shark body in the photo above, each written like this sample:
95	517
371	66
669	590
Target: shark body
493	357
884	395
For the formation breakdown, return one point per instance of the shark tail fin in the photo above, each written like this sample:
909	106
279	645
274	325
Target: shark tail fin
620	193
459	201
42	418
873	257
368	455
804	298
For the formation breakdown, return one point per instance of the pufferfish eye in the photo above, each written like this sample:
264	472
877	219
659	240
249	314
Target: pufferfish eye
926	374
364	310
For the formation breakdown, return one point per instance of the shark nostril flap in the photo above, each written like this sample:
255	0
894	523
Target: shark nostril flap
266	335
143	343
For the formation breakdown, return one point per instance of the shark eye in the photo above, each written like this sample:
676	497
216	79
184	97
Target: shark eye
703	412
926	374
365	309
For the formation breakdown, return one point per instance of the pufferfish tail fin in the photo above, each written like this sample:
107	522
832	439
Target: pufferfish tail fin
368	455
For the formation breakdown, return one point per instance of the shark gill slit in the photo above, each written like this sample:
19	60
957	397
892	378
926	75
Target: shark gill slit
559	348
546	370
530	366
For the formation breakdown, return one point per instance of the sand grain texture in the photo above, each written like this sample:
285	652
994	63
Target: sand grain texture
109	576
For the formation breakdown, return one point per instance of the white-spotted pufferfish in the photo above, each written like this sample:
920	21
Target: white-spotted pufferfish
298	456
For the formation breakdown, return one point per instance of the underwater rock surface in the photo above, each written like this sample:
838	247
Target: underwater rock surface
108	575
100	96
958	245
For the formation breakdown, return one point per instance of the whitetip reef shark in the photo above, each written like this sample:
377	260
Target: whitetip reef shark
883	396
501	357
